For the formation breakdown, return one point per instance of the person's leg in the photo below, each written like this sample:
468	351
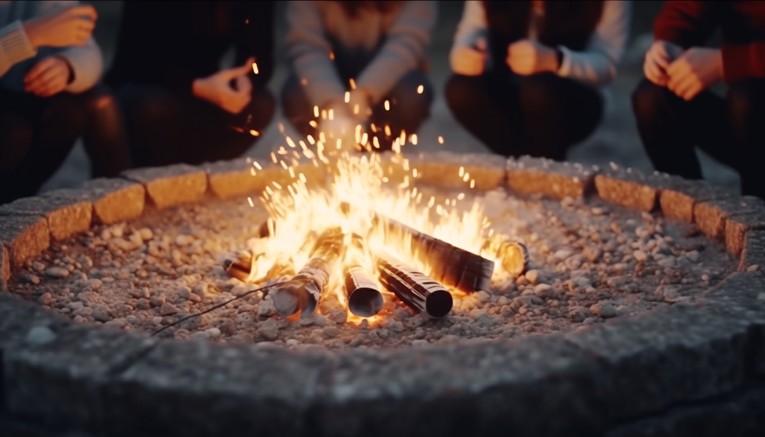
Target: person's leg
40	134
557	113
296	107
746	109
408	108
105	138
487	106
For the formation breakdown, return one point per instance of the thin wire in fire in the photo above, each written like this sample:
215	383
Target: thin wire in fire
215	307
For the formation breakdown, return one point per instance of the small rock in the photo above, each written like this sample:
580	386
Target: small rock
752	268
37	266
598	210
40	335
157	301
693	255
146	234
168	309
532	276
101	313
45	299
56	272
184	240
482	296
269	330
241	290
212	333
330	331
29	278
544	290
200	289
95	284
563	254
603	309
639	255
338	316
578	313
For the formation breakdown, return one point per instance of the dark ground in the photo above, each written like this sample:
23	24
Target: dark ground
615	141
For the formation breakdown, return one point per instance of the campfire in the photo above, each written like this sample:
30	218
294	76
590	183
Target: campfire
363	239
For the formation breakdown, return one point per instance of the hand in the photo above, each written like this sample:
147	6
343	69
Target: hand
67	27
694	71
527	57
470	60
217	88
48	77
657	60
360	104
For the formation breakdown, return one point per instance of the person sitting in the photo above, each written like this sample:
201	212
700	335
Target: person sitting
50	67
530	76
179	105
358	63
675	109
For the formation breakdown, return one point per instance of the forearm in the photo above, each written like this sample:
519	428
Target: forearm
87	65
14	46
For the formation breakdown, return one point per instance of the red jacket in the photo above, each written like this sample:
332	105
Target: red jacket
742	25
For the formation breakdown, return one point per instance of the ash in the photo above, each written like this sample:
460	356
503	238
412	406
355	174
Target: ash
590	261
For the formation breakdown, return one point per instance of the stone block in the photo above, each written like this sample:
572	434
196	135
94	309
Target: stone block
68	211
677	196
25	236
58	378
171	185
5	267
199	388
243	177
671	355
115	200
736	227
627	187
753	251
447	170
557	180
710	215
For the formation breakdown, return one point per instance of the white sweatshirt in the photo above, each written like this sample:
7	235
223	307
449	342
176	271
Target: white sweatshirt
17	55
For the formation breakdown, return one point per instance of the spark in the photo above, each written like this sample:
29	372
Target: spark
252	204
313	124
257	165
440	139
387	105
310	139
254	133
347	97
255	68
316	111
420	89
352	83
413	139
331	55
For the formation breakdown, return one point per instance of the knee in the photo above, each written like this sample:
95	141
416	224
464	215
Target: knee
16	136
744	98
649	100
539	92
460	92
66	115
146	105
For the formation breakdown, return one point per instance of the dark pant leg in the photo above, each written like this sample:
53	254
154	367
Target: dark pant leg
488	107
557	113
105	139
41	133
671	128
408	108
296	107
746	109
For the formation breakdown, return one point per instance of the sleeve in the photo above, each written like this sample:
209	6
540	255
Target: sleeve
597	64
403	50
308	49
685	23
741	61
472	27
87	63
257	39
14	46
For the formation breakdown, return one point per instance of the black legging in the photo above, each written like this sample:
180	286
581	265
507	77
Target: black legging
730	129
165	128
37	134
540	115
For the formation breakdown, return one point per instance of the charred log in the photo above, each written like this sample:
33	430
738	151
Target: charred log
417	290
363	291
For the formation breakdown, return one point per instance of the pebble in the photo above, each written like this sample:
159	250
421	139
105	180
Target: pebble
45	299
544	291
603	309
752	268
639	256
29	278
146	234
157	300
101	313
56	272
269	330
40	335
168	309
532	276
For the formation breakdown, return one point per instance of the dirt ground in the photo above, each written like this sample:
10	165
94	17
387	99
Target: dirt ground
616	139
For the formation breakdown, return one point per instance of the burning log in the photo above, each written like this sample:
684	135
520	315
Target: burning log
417	290
364	296
513	255
302	293
239	267
452	266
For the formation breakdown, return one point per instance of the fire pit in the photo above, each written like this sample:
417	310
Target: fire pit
639	309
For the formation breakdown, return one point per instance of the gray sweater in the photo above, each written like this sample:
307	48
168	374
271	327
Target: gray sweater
404	33
17	55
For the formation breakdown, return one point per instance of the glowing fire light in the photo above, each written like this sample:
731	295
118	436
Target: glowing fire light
420	89
255	68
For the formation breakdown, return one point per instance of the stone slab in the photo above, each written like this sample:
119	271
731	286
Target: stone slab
5	267
25	237
673	354
710	215
479	388
677	196
448	170
627	187
534	176
199	388
68	211
115	200
59	378
243	177
171	185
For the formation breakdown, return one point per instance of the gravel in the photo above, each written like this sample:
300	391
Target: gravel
589	262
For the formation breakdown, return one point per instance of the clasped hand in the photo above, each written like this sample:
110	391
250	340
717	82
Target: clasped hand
685	73
230	89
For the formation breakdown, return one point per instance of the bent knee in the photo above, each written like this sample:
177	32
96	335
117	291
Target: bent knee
460	92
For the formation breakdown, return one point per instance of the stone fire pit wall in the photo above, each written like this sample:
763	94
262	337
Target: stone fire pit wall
681	370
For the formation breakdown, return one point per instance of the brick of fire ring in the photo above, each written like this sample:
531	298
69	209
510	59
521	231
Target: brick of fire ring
115	200
753	250
553	179
678	196
710	216
5	267
628	188
68	211
24	236
171	185
442	169
239	177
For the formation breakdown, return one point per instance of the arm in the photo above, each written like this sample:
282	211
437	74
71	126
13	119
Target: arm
597	64
87	64
464	56
308	50
14	46
403	50
685	23
741	61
